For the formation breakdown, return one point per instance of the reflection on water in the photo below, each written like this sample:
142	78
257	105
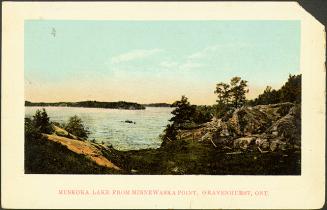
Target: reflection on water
108	125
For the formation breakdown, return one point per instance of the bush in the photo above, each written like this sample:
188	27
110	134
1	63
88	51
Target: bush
31	132
183	112
75	126
40	123
203	114
170	132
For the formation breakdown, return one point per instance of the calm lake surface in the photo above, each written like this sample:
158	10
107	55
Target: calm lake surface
108	125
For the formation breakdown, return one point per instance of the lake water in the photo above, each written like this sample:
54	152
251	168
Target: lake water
108	125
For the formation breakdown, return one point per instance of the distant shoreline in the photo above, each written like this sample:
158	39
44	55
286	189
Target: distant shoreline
90	104
97	104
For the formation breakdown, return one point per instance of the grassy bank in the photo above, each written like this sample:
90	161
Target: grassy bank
193	157
46	157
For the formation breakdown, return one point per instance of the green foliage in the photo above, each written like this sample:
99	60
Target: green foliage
269	96
221	109
238	90
230	96
46	157
75	126
203	114
40	122
186	116
223	92
289	92
31	132
170	132
183	112
193	157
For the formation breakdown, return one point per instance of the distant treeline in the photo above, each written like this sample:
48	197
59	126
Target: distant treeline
91	104
157	105
289	92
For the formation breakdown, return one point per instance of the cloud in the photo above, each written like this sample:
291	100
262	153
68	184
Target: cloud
189	62
204	52
134	55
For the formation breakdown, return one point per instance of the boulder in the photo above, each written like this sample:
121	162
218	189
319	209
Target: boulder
243	142
272	127
254	120
62	132
262	143
207	137
277	144
287	128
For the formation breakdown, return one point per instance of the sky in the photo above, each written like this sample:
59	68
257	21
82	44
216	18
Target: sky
155	61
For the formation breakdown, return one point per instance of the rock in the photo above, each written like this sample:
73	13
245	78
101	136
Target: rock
243	142
62	132
207	137
274	145
269	127
177	170
277	144
134	171
245	121
262	143
224	132
275	133
287	127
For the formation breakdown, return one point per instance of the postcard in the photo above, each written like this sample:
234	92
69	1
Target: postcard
162	105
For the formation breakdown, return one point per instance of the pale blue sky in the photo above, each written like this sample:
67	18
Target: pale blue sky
155	61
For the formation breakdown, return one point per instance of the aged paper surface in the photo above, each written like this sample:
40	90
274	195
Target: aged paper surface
104	191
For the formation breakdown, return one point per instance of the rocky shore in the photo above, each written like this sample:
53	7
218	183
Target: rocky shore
259	140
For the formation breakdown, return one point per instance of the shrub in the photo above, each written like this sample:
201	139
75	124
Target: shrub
203	114
31	132
170	132
183	112
41	122
75	126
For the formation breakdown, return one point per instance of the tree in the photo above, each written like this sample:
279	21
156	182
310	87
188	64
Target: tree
269	96
183	113
170	132
41	121
223	93
31	132
291	90
75	126
230	96
203	114
238	90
